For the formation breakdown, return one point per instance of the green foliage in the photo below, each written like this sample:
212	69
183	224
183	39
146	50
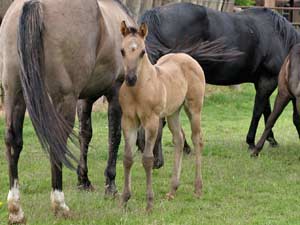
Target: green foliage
237	189
244	2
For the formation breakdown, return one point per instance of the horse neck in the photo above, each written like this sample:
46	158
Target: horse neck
111	16
146	71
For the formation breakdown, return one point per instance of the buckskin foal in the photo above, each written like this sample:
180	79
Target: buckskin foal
151	92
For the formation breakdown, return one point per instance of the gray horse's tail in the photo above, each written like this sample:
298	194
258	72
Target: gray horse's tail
50	127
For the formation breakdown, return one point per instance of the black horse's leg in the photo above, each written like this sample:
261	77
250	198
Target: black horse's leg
281	101
67	108
114	121
270	138
14	111
157	150
186	147
84	110
264	88
296	117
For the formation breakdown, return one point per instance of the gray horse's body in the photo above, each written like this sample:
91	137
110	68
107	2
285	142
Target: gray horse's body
68	50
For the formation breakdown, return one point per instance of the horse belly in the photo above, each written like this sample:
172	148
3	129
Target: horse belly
100	81
175	96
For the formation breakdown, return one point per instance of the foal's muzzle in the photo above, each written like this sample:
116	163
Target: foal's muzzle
130	79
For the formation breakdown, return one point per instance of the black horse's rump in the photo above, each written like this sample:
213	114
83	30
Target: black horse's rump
264	36
51	129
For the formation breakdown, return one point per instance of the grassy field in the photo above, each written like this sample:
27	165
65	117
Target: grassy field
237	188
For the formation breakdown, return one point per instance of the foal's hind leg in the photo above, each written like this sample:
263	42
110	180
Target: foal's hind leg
14	111
67	108
175	128
84	110
193	111
114	123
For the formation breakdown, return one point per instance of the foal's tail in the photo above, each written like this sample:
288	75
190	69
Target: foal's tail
50	127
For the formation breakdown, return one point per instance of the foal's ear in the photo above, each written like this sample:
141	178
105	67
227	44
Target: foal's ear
143	30
124	29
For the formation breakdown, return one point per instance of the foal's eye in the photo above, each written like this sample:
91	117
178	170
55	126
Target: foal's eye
142	53
122	52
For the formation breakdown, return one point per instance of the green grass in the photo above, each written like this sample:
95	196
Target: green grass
237	188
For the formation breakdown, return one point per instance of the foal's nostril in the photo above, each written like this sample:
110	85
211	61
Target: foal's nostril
131	80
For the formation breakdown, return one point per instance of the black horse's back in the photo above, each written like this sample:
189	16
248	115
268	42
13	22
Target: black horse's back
256	32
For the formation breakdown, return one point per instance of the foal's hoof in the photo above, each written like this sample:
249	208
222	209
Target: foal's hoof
198	193
111	191
149	208
170	196
273	143
158	163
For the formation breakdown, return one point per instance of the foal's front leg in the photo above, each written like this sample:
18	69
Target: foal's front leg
129	126
151	126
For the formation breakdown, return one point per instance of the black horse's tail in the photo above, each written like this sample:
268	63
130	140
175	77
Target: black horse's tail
50	127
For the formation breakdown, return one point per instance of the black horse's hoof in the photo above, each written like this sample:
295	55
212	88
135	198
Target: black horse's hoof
251	147
86	186
111	191
254	154
187	150
273	142
158	163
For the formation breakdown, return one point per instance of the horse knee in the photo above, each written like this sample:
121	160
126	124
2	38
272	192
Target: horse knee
148	162
15	141
127	161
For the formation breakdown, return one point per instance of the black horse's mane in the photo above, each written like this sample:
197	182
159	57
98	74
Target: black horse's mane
283	27
125	8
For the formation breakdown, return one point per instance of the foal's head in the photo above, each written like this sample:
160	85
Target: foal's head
133	50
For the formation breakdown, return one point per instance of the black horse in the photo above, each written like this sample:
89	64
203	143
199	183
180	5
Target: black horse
264	36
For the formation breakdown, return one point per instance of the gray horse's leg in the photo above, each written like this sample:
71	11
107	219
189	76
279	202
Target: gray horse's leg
14	111
67	108
114	120
84	111
264	89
